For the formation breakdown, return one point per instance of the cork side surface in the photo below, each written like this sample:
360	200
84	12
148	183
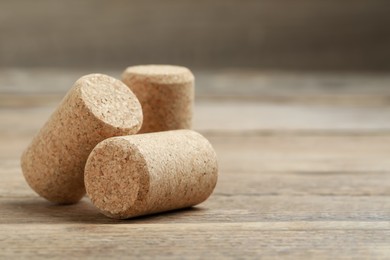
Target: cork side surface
53	163
181	168
166	94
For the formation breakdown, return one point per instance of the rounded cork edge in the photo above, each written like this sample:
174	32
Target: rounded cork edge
117	178
215	166
159	74
111	102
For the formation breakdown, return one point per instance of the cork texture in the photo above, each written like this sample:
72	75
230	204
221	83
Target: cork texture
166	94
95	108
142	174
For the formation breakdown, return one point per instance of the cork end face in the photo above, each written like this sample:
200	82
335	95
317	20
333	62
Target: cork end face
112	102
161	74
116	178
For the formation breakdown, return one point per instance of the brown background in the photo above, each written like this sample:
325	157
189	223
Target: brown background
266	34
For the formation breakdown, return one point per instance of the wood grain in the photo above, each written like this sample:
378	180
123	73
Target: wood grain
35	87
292	240
297	181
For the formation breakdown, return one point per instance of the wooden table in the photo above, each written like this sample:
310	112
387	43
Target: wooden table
304	173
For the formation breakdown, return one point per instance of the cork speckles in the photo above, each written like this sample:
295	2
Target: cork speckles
116	177
166	94
110	101
164	171
160	74
90	145
53	163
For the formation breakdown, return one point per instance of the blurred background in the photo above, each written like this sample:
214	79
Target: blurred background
267	52
294	96
261	34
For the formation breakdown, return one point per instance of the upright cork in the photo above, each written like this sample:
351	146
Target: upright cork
142	174
166	94
97	107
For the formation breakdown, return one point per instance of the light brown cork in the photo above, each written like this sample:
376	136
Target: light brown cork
142	174
166	94
95	108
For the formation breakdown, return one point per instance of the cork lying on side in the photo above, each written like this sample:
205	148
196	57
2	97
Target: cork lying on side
97	107
166	94
148	173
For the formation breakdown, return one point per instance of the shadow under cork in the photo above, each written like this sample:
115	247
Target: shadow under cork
185	215
39	211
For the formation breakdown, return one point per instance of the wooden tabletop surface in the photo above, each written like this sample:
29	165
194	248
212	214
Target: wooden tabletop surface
304	173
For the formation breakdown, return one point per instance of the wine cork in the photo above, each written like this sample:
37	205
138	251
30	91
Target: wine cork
166	94
95	108
142	174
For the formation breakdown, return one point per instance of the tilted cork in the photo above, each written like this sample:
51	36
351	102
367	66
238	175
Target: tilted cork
142	174
166	94
97	107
